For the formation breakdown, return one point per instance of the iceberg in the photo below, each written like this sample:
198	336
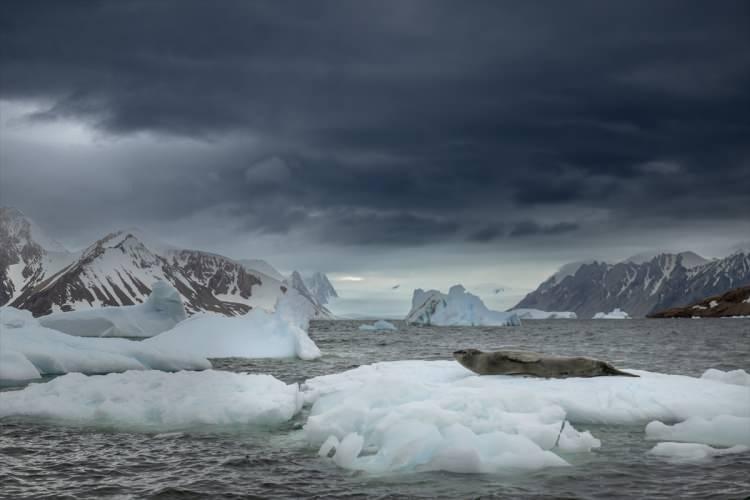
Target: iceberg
539	314
723	430
407	416
693	452
257	334
457	308
617	313
52	352
157	401
162	310
379	326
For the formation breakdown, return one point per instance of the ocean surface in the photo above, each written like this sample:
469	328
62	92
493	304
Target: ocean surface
53	459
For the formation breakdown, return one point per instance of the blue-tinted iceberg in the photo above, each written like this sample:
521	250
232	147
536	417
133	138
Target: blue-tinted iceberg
457	308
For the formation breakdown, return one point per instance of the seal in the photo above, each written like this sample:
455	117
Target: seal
534	364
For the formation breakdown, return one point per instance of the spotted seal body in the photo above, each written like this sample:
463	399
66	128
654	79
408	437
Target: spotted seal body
534	364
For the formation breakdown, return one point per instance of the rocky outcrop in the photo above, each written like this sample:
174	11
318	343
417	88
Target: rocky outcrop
735	302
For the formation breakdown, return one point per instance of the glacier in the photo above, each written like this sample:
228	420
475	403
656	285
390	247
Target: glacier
158	401
256	334
457	308
51	352
407	416
162	310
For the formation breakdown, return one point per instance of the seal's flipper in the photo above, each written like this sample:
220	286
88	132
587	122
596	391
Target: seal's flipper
611	370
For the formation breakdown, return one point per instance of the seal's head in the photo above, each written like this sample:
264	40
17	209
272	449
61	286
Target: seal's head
466	356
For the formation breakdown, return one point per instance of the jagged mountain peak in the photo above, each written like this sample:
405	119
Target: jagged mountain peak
666	280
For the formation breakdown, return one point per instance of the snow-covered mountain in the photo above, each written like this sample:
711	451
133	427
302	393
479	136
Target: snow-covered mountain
27	255
320	287
120	269
639	288
264	267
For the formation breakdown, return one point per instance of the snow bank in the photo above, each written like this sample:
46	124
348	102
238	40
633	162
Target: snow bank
379	325
617	313
723	430
53	352
539	314
153	400
257	334
162	310
693	451
457	308
737	377
436	415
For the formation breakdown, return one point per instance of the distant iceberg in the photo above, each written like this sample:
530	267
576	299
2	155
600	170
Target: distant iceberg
539	314
257	334
26	344
457	308
379	325
615	314
162	311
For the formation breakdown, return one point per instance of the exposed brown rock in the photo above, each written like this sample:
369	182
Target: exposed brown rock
735	302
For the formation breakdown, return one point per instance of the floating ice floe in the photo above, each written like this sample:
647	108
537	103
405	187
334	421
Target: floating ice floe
379	325
162	310
539	314
457	308
693	452
435	415
52	352
722	430
617	313
257	334
737	377
154	400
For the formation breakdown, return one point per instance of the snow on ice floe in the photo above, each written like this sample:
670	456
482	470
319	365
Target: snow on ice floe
539	314
436	415
617	313
722	430
457	308
693	452
257	334
154	400
379	325
162	310
53	352
737	377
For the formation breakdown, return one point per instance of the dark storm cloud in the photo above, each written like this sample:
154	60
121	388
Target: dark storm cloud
405	121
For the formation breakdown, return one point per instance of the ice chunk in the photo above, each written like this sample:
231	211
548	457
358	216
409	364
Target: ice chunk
257	334
53	352
690	452
737	377
617	313
436	415
379	325
539	314
153	400
162	310
723	430
457	308
14	366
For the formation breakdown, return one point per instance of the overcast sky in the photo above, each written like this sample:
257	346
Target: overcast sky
413	143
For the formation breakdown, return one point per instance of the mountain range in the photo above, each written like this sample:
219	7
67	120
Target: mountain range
39	274
640	285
